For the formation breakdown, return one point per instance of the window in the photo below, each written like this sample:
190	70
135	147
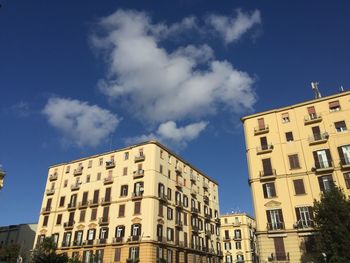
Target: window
46	219
227	245
170	234
261	124
269	190
103	233
161	190
55	238
299	186
138	189
120	231
322	159
121	210
68	169
100	162
325	182
93	214
275	219
88	178
185	201
126	155
169	194
312	113
125	171
62	201
117	254
137	208
161	169
340	126
98	178
263	143
65	183
59	219
66	239
90	164
285	117
238	245
82	216
170	214
289	136
134	253
169	174
159	231
240	258
238	233
170	256
135	230
87	256
78	238
304	216
347	180
267	167
334	106
294	161
124	190
344	154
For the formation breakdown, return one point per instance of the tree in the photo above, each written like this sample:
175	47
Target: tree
9	253
332	220
46	253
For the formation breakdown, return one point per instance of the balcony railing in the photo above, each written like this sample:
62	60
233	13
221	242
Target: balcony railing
195	229
53	176
108	180
323	166
268	173
275	226
207	233
132	260
178	169
226	238
193	178
105	201
264	148
276	257
345	162
77	243
207	217
318	138
83	204
134	239
93	203
110	164
75	186
137	195
139	173
50	191
161	239
78	171
206	199
312	118
118	240
139	158
65	244
72	206
103	221
178	224
194	210
205	186
261	130
163	197
179	184
46	210
302	224
237	237
68	225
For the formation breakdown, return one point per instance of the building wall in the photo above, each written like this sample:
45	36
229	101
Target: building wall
245	250
283	175
159	165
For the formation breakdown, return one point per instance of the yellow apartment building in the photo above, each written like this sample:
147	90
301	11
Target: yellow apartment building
238	238
142	204
295	153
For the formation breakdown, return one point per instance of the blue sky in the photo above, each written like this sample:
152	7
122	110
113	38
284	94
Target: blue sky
79	76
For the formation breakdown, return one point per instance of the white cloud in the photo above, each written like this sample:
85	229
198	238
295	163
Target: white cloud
232	29
158	85
170	133
80	123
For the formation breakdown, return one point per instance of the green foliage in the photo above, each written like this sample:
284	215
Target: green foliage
9	253
332	218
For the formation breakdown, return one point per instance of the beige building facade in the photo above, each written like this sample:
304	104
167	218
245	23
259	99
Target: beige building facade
294	154
238	238
142	203
22	235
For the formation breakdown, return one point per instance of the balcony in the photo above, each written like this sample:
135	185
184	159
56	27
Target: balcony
179	204
53	176
46	210
226	238
236	223
194	210
193	178
237	238
163	197
118	240
207	233
93	203
195	229
304	224
108	180
217	221
68	225
101	241
110	164
161	239
78	171
268	174
103	221
89	243
132	260
276	226
205	186
207	217
179	225
50	191
318	138
137	195
72	206
345	163
312	118
161	260
75	186
105	201
134	239
179	184
178	170
139	158
77	243
324	166
138	173
65	244
83	204
279	257
261	130
264	149
206	199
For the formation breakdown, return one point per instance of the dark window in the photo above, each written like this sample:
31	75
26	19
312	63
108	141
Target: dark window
334	106
62	201
117	254
170	214
289	136
46	219
137	208
316	133
82	216
263	143
93	214
340	126
124	190
59	219
299	186
269	190
325	182
96	194
261	124
125	171
279	248
294	161
160	210
121	210
169	194
85	198
347	180
267	167
344	154
322	159
108	194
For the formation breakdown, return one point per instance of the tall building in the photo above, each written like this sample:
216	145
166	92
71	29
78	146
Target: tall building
22	235
142	203
294	154
238	238
2	175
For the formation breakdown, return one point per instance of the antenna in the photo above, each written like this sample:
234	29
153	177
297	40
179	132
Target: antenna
341	88
314	86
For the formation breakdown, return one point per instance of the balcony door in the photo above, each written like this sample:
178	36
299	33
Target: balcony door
275	219
344	153
304	216
317	133
267	167
279	248
322	158
138	188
